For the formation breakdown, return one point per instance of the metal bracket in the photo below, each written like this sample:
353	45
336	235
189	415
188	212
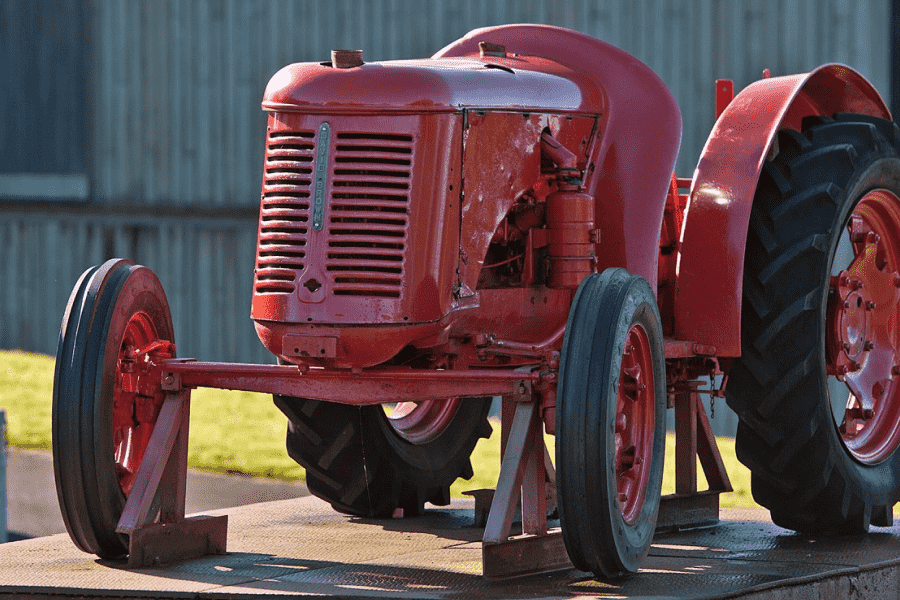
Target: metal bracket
162	476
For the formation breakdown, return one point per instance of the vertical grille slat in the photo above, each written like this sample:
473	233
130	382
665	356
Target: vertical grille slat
367	212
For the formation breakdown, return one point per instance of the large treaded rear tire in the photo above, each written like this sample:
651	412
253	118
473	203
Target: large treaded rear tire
803	468
357	462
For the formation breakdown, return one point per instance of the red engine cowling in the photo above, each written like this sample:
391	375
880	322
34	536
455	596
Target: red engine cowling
403	202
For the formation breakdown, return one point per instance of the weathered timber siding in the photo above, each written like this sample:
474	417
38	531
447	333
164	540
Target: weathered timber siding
205	266
43	97
177	83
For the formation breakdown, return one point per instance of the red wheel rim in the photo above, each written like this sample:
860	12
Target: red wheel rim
422	422
863	340
136	401
635	423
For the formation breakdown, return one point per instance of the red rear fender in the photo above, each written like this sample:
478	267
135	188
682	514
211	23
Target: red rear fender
711	263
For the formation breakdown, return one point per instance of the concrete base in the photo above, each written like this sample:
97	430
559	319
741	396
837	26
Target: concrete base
302	547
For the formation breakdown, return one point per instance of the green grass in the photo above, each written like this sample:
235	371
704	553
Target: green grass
486	462
243	433
230	432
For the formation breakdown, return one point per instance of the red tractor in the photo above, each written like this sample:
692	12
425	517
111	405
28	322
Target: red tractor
502	219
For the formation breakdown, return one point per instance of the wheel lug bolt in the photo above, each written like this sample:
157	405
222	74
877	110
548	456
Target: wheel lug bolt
845	280
867	345
873	238
846	304
854	366
846	346
868	413
870	305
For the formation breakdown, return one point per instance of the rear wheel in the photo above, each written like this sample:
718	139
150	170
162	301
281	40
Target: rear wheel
367	462
610	426
104	406
817	388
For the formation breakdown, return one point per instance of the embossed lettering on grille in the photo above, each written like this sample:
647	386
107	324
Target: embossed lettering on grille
284	214
369	213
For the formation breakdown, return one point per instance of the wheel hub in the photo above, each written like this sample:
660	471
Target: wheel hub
863	341
422	422
137	395
634	422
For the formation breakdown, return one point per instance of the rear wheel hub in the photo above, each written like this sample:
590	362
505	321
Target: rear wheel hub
862	328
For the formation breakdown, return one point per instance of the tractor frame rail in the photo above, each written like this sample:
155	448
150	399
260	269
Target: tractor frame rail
361	388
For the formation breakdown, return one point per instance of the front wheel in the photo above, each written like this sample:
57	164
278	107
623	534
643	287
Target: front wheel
104	407
610	423
817	387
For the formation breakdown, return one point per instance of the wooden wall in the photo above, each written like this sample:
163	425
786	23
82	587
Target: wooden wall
43	94
176	84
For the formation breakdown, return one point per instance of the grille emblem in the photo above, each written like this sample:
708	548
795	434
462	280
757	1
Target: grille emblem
322	145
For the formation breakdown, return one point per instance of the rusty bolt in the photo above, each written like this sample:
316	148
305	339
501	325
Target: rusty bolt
522	388
169	379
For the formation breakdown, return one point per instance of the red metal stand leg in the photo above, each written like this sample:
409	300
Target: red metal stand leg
523	473
693	438
163	474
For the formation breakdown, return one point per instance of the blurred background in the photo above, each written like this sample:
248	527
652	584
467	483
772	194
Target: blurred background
133	128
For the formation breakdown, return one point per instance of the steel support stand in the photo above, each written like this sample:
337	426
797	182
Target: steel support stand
161	482
525	472
694	439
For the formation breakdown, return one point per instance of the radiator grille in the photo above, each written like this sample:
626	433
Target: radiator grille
284	214
368	212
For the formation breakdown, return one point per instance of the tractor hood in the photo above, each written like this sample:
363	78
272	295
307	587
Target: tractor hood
432	85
